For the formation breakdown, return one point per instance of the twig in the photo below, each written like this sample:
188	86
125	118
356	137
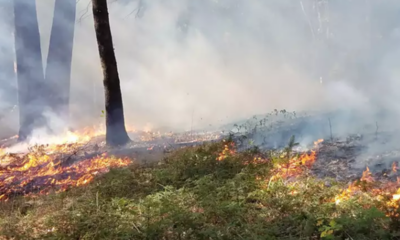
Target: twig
134	225
97	201
308	20
69	158
7	112
349	236
376	131
269	183
191	126
138	9
85	12
330	128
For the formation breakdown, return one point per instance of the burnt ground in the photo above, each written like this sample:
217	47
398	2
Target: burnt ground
144	147
344	157
352	140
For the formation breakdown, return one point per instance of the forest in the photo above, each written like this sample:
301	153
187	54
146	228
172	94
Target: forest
230	119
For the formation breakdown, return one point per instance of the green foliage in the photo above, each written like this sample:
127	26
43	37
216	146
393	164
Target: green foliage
191	195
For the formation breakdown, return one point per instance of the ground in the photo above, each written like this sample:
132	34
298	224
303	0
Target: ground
196	185
208	191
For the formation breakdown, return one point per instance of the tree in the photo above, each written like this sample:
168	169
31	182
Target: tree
31	86
115	124
59	59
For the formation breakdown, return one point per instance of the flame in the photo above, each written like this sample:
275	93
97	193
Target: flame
367	176
396	196
354	187
386	192
78	136
43	173
318	142
394	167
296	165
346	194
42	168
229	150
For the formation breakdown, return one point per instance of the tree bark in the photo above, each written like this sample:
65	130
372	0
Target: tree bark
31	85
59	59
115	124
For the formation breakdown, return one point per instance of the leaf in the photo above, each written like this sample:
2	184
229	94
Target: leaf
332	223
320	222
326	233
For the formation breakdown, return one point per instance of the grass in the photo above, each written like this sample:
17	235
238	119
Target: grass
206	192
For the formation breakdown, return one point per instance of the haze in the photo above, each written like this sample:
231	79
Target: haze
191	64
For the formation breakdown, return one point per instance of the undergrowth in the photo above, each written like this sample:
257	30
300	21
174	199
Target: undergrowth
206	192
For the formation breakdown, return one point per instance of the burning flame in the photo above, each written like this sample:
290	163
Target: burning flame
79	136
41	174
229	150
367	176
386	192
43	168
296	165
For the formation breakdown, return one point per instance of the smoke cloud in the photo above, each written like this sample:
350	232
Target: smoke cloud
191	64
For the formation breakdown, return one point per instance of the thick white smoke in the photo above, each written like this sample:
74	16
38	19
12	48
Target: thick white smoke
188	64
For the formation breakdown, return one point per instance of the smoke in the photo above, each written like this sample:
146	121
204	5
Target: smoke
191	64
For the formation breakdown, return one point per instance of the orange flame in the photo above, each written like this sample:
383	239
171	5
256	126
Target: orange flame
394	167
367	176
296	165
388	192
40	171
229	150
44	172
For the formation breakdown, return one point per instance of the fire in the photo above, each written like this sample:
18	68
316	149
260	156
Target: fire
43	168
42	173
229	149
296	165
318	142
386	192
83	135
2	152
367	176
346	194
394	167
396	196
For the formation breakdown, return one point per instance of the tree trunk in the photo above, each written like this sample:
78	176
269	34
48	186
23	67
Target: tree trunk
31	85
58	67
115	124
